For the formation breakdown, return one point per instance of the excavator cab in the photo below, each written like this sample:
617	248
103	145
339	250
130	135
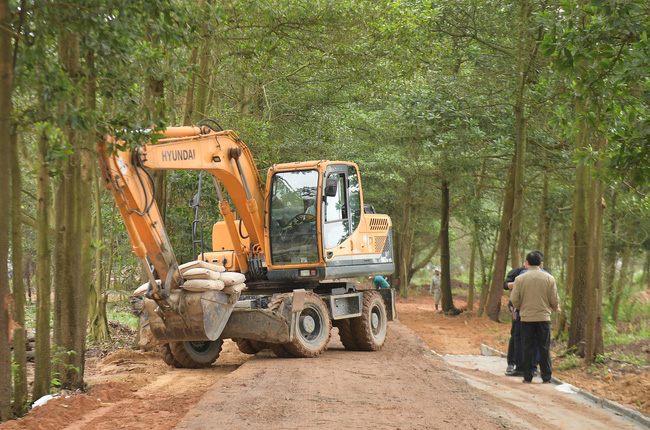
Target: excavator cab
317	227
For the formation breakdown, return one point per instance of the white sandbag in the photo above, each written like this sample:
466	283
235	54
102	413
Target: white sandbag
144	287
232	278
203	285
232	289
202	265
200	273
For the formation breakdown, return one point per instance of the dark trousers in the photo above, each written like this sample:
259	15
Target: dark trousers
515	347
511	346
537	332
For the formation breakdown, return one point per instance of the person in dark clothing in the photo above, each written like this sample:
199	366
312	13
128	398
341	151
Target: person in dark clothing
515	349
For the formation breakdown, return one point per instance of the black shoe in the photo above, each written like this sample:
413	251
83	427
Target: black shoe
526	381
546	381
515	373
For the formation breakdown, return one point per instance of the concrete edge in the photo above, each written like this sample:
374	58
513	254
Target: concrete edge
605	403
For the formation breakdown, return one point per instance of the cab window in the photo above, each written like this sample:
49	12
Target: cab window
293	217
337	225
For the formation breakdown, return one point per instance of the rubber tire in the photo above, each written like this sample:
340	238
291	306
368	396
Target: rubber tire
346	335
368	335
196	355
310	343
248	346
166	353
279	350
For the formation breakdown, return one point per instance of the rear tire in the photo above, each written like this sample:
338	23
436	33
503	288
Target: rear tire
314	329
370	328
346	335
279	350
248	346
196	355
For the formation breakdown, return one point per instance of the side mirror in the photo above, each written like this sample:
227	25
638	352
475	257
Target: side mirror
331	187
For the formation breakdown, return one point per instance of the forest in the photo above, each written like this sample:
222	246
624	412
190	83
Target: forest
502	125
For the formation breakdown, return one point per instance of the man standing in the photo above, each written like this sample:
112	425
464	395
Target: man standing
434	288
535	295
515	350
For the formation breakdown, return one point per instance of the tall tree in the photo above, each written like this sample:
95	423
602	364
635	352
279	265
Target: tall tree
6	86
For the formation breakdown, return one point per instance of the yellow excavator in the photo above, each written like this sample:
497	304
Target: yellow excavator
295	240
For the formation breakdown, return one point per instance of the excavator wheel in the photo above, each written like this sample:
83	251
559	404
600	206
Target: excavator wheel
248	346
279	350
347	336
167	356
370	328
313	329
196	355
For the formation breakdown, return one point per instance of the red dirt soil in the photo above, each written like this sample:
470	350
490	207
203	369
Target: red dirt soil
133	389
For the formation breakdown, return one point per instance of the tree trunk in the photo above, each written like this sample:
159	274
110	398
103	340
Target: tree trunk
645	279
20	355
202	80
472	265
445	269
579	246
42	361
611	252
594	324
404	238
622	278
6	83
525	55
98	320
72	259
493	305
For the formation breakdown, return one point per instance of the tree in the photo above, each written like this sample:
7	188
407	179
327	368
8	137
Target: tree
6	86
602	48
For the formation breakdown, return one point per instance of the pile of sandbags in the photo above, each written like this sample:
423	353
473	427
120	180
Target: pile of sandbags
202	276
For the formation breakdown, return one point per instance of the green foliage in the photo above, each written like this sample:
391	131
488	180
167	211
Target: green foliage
59	364
567	362
120	311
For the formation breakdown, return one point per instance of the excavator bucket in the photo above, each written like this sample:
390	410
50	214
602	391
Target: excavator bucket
190	316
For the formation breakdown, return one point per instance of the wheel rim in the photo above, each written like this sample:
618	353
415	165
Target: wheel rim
310	326
377	322
200	348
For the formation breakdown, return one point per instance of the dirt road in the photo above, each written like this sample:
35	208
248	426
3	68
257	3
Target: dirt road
402	386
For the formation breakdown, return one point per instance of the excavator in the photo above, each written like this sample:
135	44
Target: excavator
292	243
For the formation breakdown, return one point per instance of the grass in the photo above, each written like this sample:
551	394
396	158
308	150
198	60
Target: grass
567	362
120	311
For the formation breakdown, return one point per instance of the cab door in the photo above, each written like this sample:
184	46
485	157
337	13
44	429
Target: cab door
340	217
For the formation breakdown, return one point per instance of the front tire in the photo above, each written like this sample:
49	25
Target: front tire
313	329
166	353
370	328
196	355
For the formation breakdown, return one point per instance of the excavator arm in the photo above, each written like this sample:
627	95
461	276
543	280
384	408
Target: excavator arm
175	315
222	154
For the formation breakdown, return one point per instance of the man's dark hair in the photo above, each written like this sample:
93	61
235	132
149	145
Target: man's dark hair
533	258
541	256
